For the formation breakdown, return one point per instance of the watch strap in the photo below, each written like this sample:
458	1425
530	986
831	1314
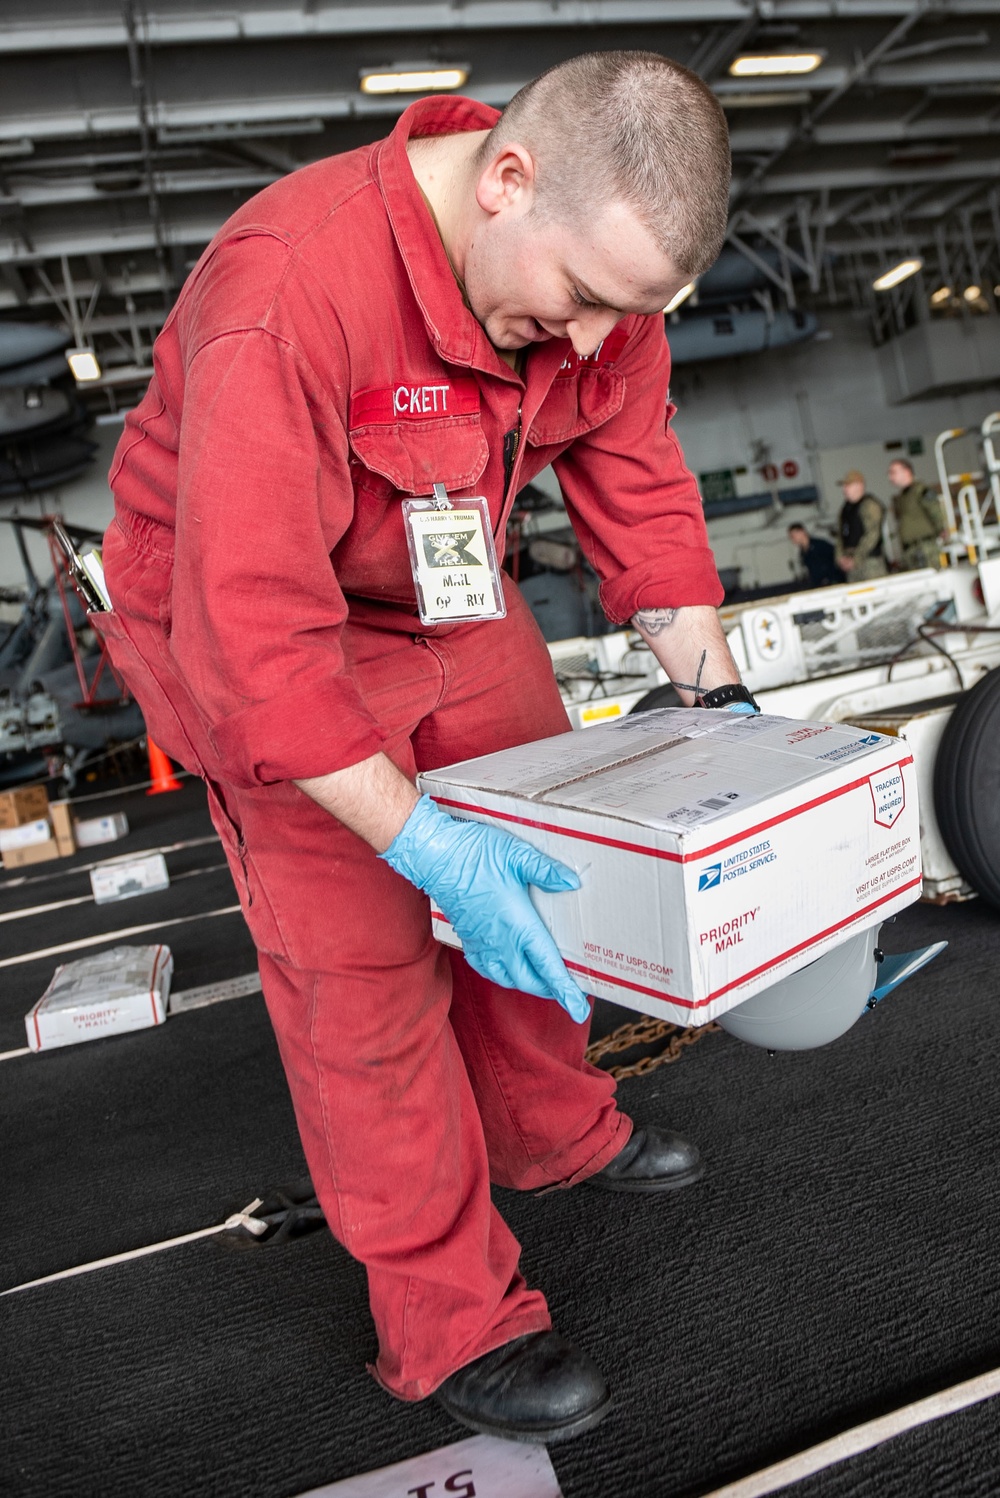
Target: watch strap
733	691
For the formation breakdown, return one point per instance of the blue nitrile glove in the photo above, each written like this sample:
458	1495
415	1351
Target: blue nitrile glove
740	707
478	876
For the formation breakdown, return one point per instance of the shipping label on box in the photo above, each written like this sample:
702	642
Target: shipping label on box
125	988
22	837
129	876
717	852
26	803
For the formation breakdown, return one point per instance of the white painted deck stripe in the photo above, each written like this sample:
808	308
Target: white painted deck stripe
244	1219
96	941
85	868
126	790
213	993
863	1438
21	915
29	910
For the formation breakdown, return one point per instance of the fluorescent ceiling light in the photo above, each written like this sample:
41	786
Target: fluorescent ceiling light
83	364
681	296
972	293
413	78
891	278
941	295
770	65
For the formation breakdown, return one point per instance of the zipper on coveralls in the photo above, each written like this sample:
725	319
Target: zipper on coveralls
511	443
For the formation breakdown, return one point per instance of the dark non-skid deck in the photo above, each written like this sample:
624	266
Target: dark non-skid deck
841	1257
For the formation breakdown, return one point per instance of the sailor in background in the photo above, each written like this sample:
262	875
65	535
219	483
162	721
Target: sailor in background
861	554
818	557
918	517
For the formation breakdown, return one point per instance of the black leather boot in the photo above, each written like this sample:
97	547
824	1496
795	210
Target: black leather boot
652	1160
536	1388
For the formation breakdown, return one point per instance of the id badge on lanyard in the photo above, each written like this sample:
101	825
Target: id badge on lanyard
454	561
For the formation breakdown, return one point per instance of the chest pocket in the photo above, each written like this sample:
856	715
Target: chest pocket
577	404
408	438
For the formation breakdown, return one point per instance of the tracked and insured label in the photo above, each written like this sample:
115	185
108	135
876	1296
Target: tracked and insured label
888	795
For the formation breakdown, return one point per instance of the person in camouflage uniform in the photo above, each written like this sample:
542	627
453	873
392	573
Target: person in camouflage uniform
918	517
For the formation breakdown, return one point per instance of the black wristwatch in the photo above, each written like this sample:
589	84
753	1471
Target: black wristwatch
733	691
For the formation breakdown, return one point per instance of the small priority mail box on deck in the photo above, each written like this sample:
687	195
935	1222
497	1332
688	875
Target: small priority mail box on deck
120	879
718	852
126	988
95	830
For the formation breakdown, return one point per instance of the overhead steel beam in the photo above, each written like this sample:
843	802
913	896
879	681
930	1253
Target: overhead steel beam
844	179
124	119
222	119
80	190
111	239
747	140
137	284
885	244
977	70
755	183
311	20
19	296
783	283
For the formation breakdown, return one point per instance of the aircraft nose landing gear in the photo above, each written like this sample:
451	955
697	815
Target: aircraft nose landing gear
821	1002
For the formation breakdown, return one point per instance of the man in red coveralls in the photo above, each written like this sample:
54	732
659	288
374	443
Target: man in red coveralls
461	304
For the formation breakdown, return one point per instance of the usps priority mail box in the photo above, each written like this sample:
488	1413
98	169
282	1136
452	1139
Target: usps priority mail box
718	852
125	988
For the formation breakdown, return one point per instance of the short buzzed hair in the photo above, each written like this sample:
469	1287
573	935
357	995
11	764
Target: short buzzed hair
632	127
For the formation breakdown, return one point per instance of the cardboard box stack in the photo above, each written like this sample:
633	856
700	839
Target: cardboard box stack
31	829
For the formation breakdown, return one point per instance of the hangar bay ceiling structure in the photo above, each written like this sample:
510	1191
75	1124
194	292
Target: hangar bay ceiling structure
129	132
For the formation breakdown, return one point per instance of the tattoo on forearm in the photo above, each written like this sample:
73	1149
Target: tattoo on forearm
654	621
695	687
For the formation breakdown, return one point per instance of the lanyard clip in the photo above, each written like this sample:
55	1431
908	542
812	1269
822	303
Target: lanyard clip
440	498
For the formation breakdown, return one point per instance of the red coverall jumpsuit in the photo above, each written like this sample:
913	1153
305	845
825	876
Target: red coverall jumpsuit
320	364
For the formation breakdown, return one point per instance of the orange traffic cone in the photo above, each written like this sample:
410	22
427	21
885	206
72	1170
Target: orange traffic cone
160	771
